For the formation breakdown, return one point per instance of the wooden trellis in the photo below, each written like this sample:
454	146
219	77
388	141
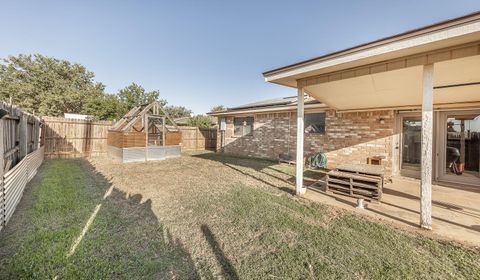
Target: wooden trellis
143	134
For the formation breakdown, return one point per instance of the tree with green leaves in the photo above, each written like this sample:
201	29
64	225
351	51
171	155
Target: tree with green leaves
104	107
200	121
135	95
176	112
218	108
48	86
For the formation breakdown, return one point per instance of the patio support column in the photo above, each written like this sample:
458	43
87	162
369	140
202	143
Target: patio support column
300	133
427	143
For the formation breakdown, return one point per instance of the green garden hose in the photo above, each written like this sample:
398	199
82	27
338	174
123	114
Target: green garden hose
318	160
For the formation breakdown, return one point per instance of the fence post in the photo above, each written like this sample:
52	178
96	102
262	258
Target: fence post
164	136
2	169
36	133
145	122
196	139
23	143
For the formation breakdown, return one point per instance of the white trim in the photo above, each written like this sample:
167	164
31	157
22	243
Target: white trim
415	41
300	190
427	149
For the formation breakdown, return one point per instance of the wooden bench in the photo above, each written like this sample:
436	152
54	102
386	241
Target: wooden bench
357	180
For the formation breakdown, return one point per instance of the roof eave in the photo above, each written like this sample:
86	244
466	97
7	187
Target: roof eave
292	107
271	74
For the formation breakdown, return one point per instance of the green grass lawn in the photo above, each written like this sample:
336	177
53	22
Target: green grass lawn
124	241
206	216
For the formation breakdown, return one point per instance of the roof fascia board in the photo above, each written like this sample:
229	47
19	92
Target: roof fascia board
441	106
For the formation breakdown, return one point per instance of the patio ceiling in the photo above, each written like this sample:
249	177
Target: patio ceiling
402	87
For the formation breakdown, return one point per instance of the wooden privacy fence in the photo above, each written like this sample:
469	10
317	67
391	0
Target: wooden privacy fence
196	139
70	138
21	153
191	138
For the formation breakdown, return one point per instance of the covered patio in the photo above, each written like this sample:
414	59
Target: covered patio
455	211
431	71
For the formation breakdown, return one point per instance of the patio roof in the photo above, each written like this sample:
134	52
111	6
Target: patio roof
441	35
427	67
455	81
387	73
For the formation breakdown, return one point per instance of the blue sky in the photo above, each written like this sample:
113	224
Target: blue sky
203	53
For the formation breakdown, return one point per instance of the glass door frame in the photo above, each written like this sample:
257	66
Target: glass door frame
441	150
399	146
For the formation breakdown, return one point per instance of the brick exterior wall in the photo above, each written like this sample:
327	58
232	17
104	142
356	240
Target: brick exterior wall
349	137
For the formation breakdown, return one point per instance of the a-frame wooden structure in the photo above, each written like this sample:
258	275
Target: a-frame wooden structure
143	126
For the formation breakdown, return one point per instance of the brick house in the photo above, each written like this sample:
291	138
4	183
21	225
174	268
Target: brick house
412	98
267	129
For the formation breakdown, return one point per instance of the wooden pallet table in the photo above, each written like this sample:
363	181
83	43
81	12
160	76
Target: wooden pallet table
357	180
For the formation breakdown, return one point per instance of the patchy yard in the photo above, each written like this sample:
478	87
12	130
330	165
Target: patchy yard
204	216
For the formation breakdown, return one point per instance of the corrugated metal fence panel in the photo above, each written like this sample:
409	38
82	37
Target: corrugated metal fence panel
126	155
159	152
115	154
172	151
15	182
36	159
16	179
156	152
133	154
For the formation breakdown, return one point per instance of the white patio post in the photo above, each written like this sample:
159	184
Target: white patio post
427	141
300	131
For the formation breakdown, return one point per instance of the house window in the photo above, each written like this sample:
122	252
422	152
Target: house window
315	123
243	126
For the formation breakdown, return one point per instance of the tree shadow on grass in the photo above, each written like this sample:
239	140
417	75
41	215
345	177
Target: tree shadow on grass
257	164
91	231
260	165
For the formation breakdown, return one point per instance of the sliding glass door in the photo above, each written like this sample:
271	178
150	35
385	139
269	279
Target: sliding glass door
410	149
459	147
